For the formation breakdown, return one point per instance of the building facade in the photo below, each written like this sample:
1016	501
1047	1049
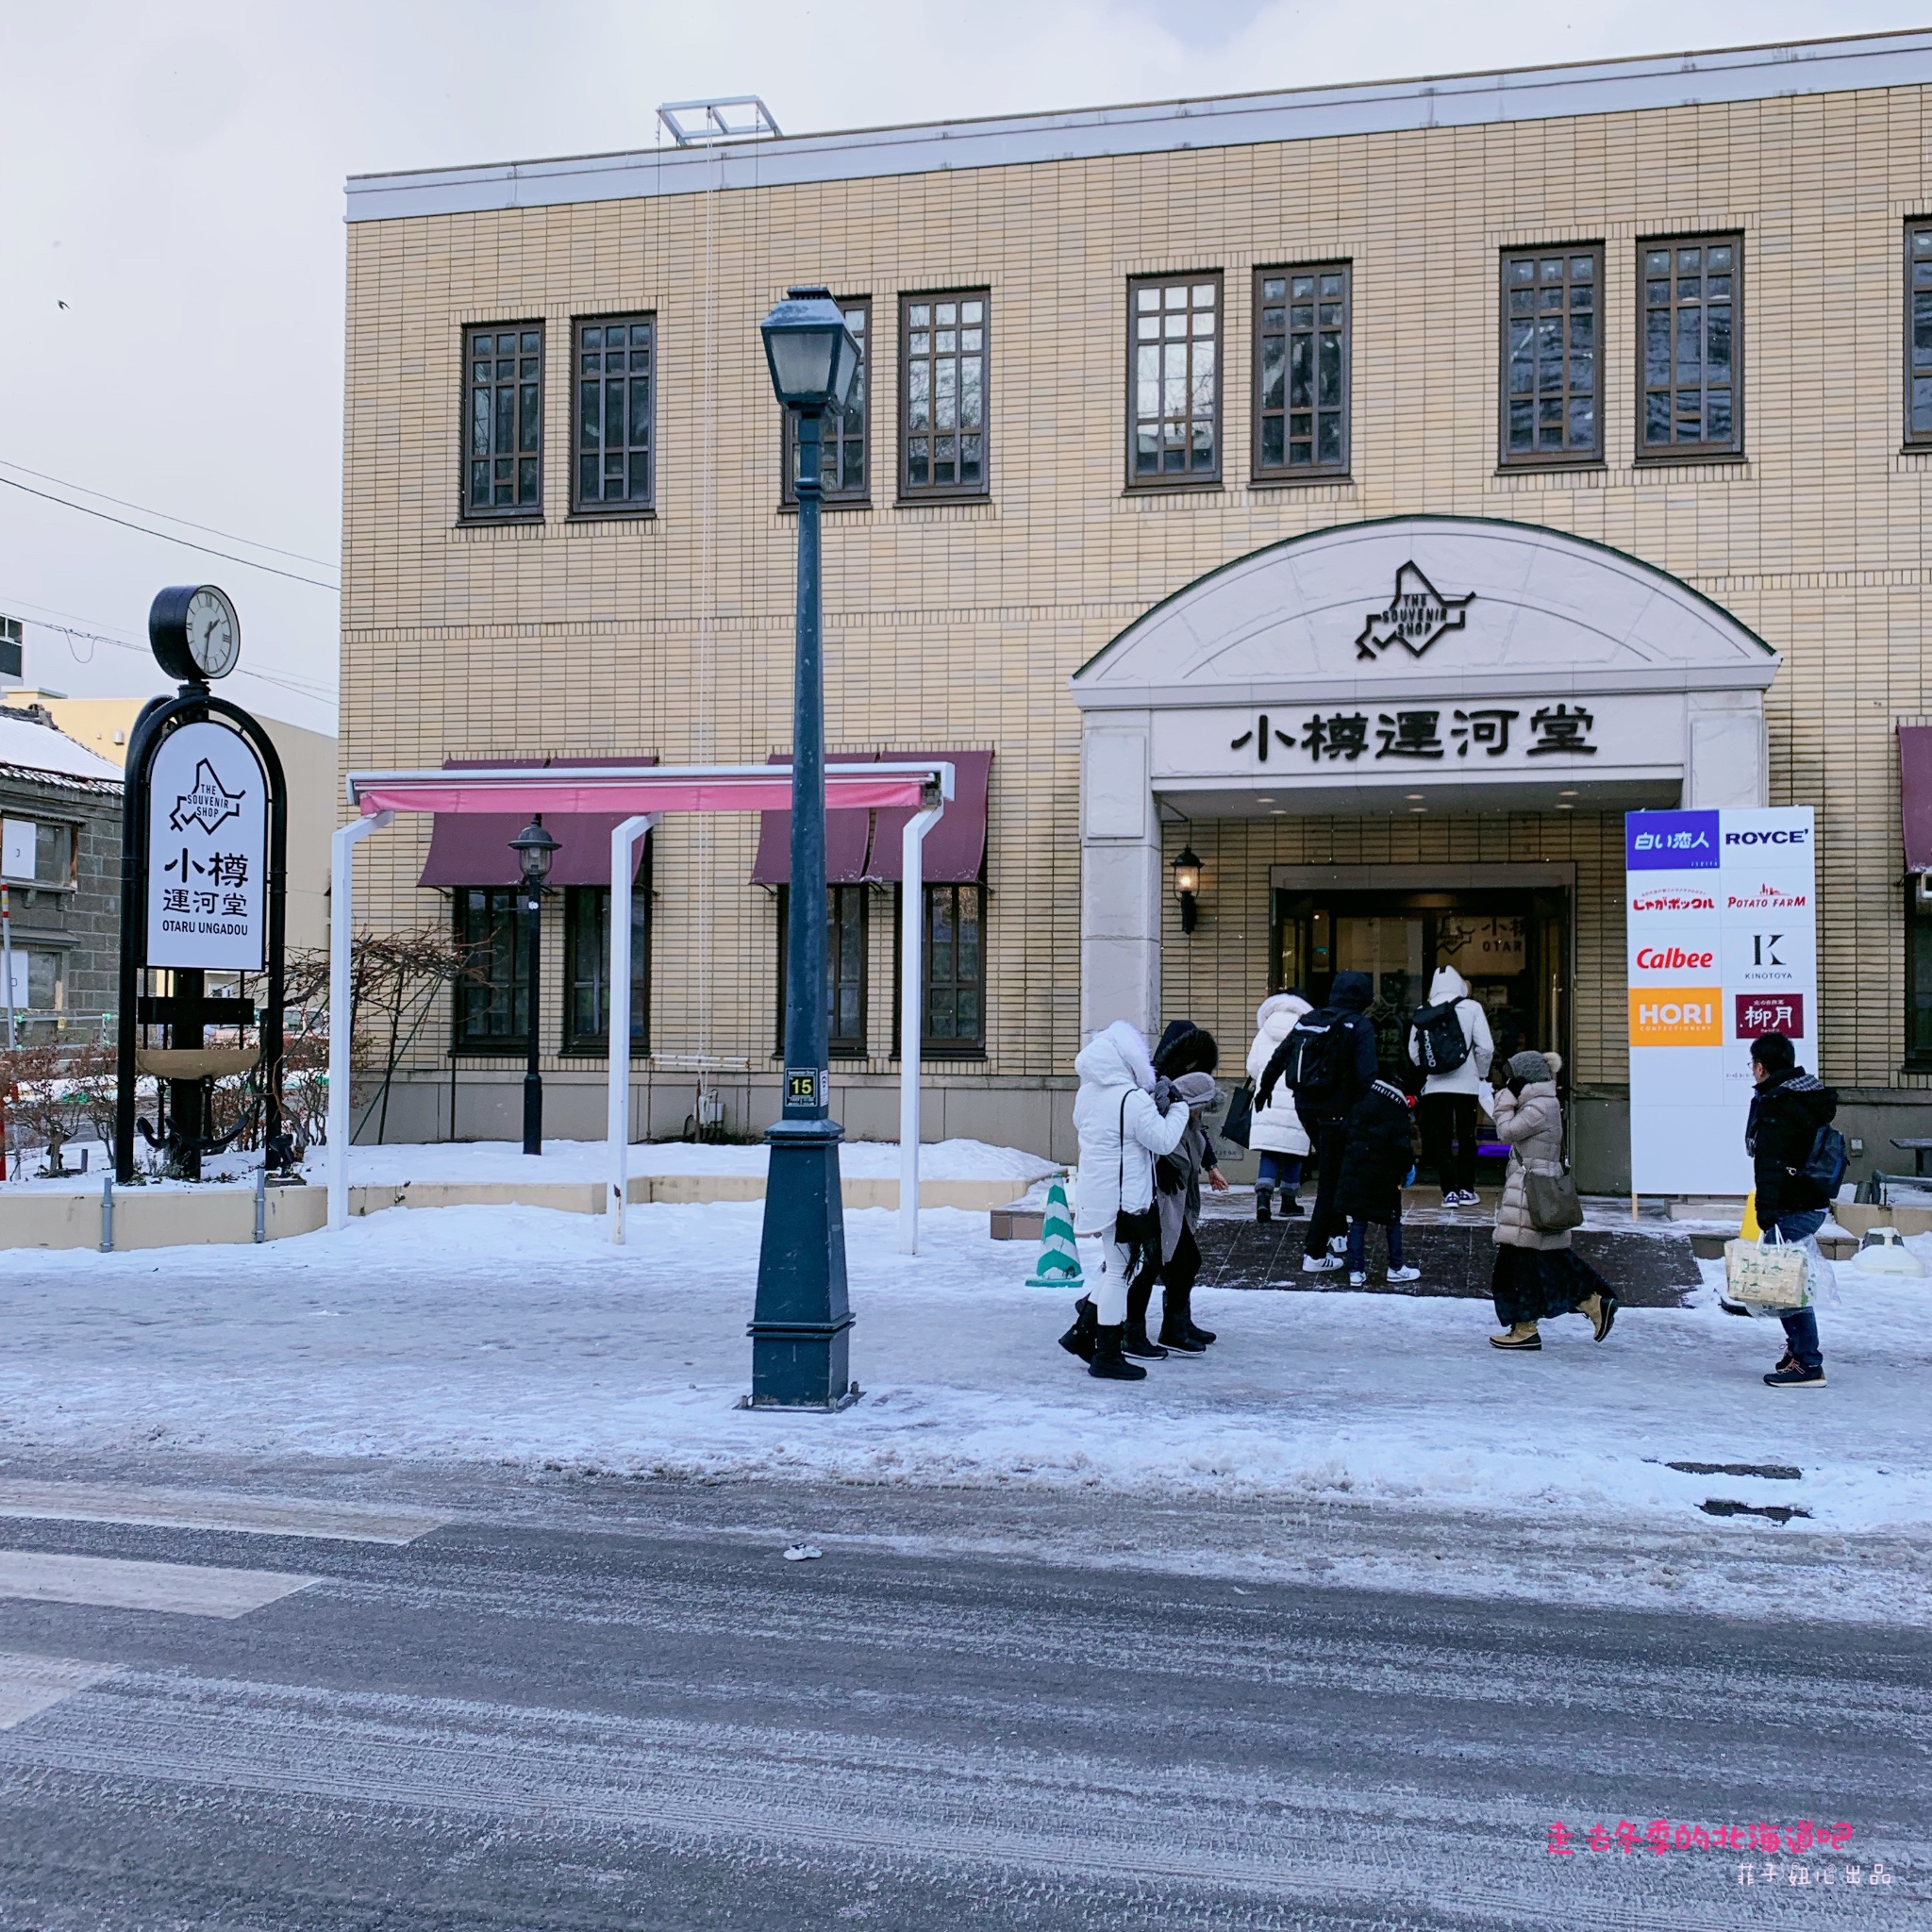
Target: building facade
1374	492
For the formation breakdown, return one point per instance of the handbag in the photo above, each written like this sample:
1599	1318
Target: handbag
1138	1233
1239	1123
1551	1199
1774	1276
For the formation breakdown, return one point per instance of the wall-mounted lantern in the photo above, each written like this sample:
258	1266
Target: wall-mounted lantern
1187	887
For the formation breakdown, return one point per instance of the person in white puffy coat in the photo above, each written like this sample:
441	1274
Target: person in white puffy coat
1447	1111
1278	1135
1121	1131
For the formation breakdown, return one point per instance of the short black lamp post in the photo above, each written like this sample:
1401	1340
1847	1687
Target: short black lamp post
800	1322
1187	887
534	848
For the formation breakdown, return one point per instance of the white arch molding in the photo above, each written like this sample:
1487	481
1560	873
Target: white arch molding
1466	617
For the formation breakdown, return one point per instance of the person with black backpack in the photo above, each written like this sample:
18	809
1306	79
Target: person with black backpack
1797	1161
1329	1063
1449	1040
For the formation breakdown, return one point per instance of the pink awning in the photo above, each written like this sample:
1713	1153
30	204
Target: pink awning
470	846
955	851
1915	794
847	833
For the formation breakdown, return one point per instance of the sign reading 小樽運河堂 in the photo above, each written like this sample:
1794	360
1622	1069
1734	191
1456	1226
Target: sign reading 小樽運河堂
1721	947
207	852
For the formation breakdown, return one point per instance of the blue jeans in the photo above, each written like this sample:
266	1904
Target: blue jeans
1358	1245
1283	1171
1801	1324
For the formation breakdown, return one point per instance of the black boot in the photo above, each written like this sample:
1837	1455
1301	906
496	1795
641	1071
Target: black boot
1109	1364
1263	1212
1175	1333
1078	1339
1135	1341
1203	1336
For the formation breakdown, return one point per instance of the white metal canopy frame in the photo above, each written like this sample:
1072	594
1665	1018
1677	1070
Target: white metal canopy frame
642	793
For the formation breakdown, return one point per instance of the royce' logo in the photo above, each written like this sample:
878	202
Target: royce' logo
1417	615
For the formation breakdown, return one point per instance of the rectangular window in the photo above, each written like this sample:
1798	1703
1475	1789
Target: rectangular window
503	420
844	476
845	975
1301	370
1919	332
943	394
493	998
35	852
586	969
955	970
12	655
40	981
1917	979
1173	380
1692	363
616	378
1552	371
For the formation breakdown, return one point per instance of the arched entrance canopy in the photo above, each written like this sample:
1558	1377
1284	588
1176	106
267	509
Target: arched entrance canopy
1432	664
642	793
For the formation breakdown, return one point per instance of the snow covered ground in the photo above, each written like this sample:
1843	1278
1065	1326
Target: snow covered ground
499	1334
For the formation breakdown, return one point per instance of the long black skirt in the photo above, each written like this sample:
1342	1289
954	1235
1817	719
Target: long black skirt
1537	1284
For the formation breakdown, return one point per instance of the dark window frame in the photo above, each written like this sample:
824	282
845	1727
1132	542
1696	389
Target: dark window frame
1915	227
1568	457
600	509
1165	480
518	512
13	647
1314	471
1918	1033
950	1048
1705	452
468	992
848	1046
837	439
910	492
595	1042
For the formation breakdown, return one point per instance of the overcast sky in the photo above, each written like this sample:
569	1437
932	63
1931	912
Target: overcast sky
170	238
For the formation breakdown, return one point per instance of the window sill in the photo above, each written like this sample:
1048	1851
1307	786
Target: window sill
941	499
1181	486
600	1050
1301	479
1531	466
589	518
789	509
930	1052
520	520
1675	459
516	1050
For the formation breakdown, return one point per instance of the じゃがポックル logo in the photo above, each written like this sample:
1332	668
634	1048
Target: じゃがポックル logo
1415	616
1677	1016
1674	902
207	802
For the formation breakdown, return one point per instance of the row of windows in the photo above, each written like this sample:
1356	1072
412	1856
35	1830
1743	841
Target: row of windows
492	1000
1689	380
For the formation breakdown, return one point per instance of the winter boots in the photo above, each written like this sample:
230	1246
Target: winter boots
1523	1335
1599	1311
1178	1330
1134	1343
1108	1363
1078	1339
1263	1212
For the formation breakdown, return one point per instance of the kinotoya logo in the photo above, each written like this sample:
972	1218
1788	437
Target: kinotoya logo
207	802
1417	614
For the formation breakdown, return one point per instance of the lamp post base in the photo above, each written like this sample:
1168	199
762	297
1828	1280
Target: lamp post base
533	1113
801	1320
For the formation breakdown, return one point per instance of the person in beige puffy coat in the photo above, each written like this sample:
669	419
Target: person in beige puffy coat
1536	1275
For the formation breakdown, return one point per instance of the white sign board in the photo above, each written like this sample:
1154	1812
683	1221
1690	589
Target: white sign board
207	852
1722	946
18	838
19	989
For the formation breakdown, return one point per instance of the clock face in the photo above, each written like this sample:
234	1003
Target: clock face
214	634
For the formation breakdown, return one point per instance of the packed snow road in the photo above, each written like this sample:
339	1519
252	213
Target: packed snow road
611	1704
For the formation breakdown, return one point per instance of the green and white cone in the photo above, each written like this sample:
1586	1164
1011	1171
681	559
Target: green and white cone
1059	1258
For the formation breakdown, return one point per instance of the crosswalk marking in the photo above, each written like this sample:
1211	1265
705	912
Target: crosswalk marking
29	1685
189	1589
191	1509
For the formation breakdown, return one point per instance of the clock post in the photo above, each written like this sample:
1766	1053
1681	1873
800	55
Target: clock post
204	861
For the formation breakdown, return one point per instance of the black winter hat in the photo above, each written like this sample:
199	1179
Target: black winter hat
1186	1048
1355	991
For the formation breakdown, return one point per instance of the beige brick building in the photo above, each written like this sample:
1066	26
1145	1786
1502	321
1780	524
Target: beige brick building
1615	360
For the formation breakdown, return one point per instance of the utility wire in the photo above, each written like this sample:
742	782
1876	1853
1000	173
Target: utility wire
206	529
168	537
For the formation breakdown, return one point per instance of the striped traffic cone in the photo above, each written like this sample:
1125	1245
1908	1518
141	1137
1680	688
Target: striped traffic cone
1059	1258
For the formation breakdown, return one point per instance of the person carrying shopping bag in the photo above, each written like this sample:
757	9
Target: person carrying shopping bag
1276	1136
1536	1276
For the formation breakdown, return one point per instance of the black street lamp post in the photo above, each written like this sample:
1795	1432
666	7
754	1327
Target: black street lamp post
534	847
800	1322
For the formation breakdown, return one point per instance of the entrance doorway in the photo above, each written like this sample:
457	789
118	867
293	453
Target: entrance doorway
1511	947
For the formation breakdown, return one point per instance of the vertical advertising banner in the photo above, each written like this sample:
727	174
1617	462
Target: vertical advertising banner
1721	946
207	852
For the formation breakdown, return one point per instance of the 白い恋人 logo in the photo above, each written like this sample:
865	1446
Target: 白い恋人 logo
1670	841
1677	1016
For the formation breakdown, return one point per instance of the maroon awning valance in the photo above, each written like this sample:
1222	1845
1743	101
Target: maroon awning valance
472	848
1915	794
866	845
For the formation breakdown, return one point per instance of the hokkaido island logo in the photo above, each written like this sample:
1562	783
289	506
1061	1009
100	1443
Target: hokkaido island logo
207	802
1416	616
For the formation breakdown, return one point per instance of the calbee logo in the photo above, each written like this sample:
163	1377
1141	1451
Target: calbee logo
1794	834
1672	960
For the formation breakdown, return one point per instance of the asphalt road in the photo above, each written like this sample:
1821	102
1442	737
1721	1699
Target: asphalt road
536	1719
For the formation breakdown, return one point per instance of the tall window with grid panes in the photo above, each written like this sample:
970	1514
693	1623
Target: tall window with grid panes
1693	374
1552	305
844	474
943	394
1919	332
503	433
1173	381
1301	372
615	422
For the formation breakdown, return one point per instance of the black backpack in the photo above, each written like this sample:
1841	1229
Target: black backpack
1828	1160
1440	1044
1319	1066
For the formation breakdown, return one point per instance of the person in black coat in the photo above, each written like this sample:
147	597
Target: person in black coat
1324	1111
1787	1112
1377	1153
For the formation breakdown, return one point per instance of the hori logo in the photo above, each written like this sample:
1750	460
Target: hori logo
1677	1016
1416	616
